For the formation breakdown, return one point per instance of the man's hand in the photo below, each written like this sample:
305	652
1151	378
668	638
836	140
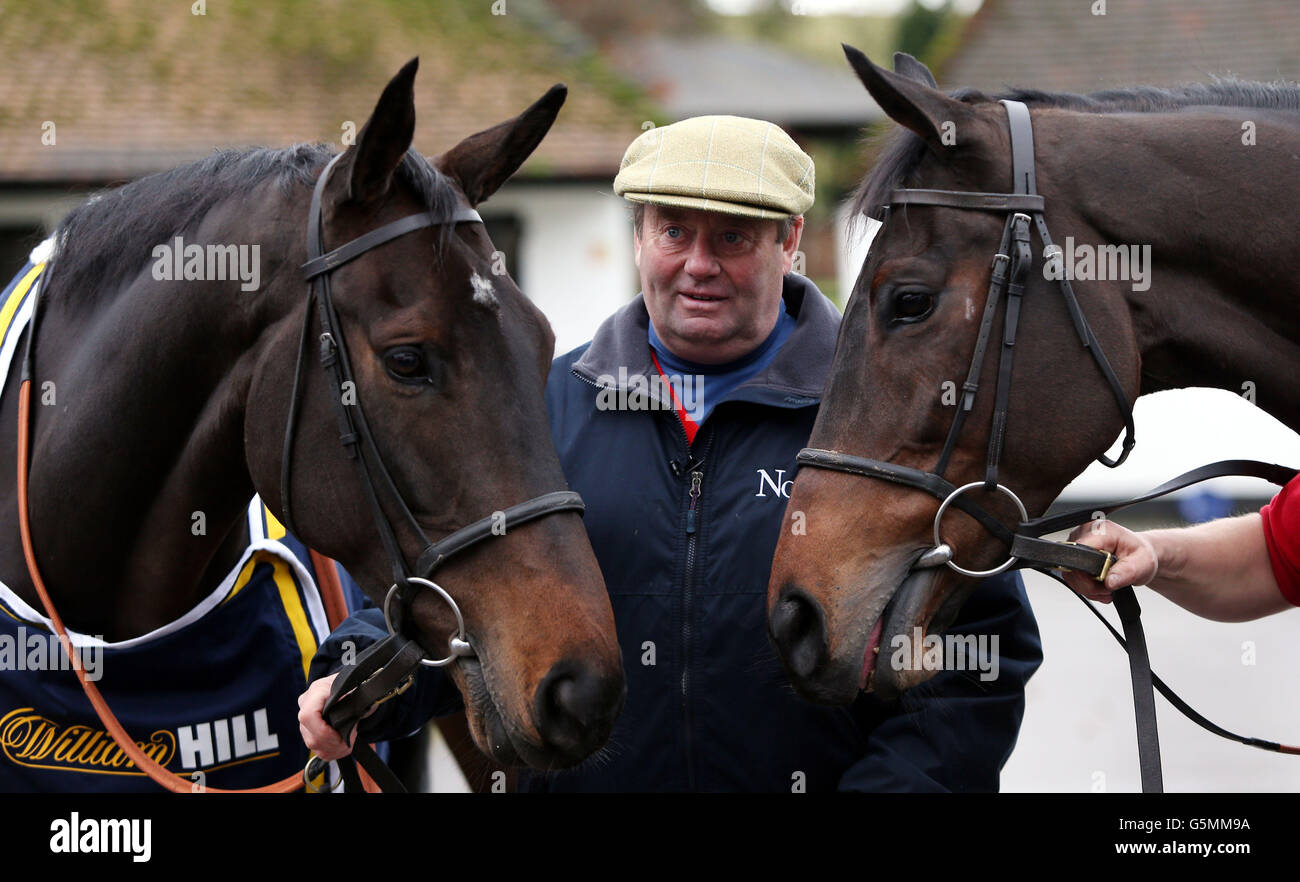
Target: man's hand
318	735
1219	570
1136	560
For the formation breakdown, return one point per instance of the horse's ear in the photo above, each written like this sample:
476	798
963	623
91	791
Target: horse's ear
483	162
385	137
908	66
907	100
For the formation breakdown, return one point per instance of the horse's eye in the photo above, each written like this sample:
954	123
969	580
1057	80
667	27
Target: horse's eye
912	306
406	363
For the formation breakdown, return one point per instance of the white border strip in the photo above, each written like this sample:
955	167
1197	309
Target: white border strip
315	609
16	326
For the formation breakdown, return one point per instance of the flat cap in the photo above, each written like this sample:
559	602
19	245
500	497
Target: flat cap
727	164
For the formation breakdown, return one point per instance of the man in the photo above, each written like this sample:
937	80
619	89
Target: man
679	424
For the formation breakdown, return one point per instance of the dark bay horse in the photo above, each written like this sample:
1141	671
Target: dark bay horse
171	397
1200	178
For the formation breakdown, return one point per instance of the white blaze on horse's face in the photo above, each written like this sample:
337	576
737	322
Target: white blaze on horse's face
484	293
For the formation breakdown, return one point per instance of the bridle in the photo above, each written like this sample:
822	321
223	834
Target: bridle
1012	264
356	437
385	668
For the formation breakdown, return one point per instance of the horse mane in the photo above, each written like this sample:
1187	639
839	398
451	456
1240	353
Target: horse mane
111	236
904	149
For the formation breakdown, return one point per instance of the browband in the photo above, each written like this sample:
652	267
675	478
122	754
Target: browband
963	199
363	243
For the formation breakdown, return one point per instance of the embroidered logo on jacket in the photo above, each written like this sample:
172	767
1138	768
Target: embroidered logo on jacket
780	485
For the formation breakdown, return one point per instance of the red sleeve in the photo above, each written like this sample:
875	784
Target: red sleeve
1282	534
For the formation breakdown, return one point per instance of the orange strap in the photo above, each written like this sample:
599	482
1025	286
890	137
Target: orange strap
332	595
336	610
331	589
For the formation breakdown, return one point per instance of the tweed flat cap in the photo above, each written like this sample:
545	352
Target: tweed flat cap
727	164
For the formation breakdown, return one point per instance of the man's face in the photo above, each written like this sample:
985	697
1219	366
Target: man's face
712	282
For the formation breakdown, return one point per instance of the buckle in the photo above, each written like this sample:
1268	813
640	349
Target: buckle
395	691
1105	568
328	349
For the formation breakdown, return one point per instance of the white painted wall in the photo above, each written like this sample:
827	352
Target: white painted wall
851	245
577	258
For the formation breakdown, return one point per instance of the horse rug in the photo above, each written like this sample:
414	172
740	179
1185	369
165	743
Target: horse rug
212	696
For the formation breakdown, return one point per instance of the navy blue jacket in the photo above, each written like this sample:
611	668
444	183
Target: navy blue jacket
708	704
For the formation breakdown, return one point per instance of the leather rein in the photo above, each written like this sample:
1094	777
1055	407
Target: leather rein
1028	550
386	668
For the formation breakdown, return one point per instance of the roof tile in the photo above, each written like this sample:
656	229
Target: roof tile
134	87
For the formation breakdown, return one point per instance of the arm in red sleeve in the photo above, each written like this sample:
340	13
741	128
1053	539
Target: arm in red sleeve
1282	534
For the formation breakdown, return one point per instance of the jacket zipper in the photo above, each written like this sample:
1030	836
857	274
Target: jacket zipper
696	473
695	469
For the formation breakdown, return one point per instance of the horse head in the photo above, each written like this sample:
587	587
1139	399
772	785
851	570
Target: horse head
842	592
449	363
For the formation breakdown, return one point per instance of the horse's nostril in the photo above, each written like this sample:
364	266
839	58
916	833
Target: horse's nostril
576	708
799	633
